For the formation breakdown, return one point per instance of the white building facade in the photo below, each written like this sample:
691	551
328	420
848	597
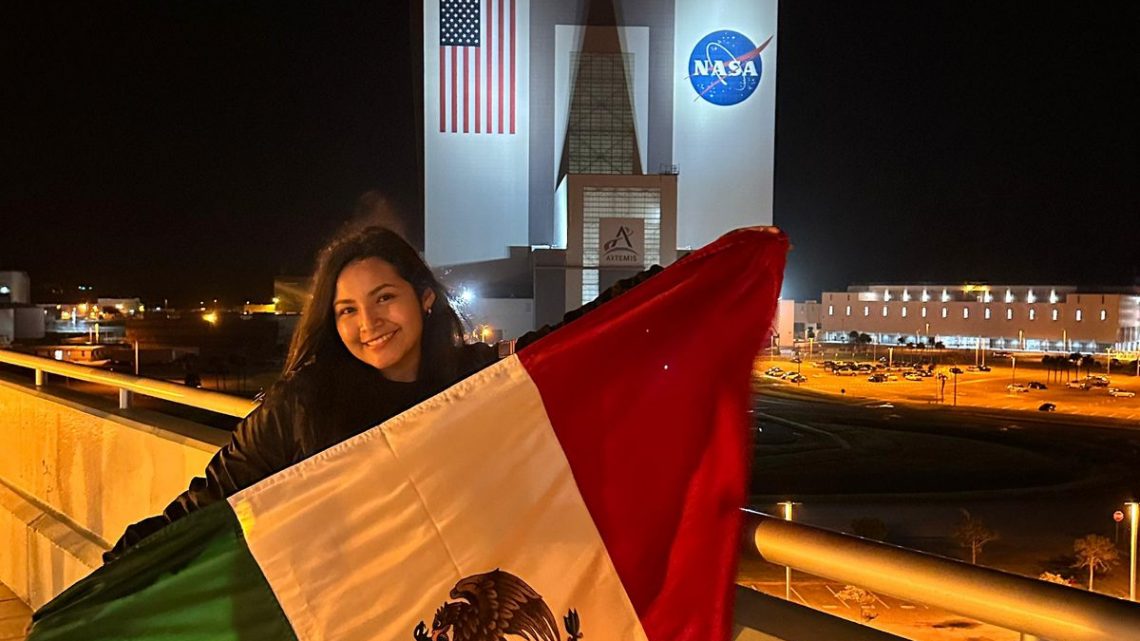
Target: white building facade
1017	317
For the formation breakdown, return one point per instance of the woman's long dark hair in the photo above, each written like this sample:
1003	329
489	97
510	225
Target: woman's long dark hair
316	337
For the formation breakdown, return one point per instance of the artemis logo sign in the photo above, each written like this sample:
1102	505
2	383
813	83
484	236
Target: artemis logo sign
725	67
622	242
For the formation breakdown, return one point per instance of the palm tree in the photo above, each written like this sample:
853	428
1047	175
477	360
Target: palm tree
1095	552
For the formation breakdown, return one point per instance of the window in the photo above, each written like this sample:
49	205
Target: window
945	312
848	310
1080	314
965	312
1103	315
831	310
1054	314
1009	313
924	311
987	313
884	311
1033	314
866	310
904	312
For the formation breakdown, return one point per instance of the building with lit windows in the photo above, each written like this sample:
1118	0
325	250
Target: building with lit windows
1016	317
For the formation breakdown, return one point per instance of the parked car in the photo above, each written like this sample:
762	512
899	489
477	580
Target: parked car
955	370
1096	380
1037	385
1078	385
912	376
1116	392
983	368
797	378
877	378
1016	388
845	371
1047	407
1000	354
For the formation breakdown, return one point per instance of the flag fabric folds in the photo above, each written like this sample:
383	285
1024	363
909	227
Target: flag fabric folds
587	487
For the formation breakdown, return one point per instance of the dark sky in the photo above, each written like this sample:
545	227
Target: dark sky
192	150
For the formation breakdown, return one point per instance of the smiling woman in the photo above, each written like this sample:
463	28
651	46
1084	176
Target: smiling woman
380	317
376	337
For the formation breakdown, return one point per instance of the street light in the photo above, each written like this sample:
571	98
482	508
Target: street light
787	505
1013	374
1134	520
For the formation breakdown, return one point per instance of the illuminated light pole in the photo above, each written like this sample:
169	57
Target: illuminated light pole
787	505
890	357
1134	521
1013	374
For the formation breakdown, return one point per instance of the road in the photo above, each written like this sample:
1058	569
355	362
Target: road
1040	480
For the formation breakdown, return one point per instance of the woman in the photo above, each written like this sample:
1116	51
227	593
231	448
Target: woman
377	337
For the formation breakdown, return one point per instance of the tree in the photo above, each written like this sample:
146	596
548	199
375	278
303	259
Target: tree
973	535
902	340
853	336
1095	552
1089	363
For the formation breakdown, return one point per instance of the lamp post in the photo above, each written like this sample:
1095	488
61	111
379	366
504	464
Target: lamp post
890	357
1013	374
787	505
1134	521
955	385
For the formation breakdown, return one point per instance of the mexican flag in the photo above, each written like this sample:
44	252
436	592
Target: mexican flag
587	487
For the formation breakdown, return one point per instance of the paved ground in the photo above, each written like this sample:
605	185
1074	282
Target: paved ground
1040	480
978	389
14	616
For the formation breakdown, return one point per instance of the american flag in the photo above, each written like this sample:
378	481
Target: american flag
477	66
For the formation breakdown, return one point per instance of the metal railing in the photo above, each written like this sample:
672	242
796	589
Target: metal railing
1035	608
128	385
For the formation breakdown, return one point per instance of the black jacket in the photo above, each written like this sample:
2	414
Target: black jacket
302	415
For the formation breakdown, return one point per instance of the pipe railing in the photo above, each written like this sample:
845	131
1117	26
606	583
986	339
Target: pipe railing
1032	607
128	385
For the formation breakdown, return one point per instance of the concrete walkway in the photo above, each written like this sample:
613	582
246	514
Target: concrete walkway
14	616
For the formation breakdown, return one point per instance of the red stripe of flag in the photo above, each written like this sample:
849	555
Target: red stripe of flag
512	66
478	105
500	66
454	98
465	90
490	30
664	474
442	92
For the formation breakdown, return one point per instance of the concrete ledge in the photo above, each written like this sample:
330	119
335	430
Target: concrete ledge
74	475
55	552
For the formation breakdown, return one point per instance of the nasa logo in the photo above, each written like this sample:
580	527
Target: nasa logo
725	67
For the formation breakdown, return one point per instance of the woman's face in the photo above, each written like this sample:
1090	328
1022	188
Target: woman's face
380	317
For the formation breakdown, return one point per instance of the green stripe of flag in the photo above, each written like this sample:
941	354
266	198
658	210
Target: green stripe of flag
195	579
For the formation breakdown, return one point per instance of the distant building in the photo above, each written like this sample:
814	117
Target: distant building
15	287
1026	317
629	130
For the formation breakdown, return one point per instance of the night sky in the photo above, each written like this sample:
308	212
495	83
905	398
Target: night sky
192	150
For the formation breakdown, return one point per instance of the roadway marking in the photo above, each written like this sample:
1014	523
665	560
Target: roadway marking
808	428
836	595
800	596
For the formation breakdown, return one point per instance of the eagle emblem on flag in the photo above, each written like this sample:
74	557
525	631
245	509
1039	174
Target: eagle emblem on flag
495	604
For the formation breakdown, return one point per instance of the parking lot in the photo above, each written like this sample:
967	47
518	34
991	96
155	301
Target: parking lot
974	388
